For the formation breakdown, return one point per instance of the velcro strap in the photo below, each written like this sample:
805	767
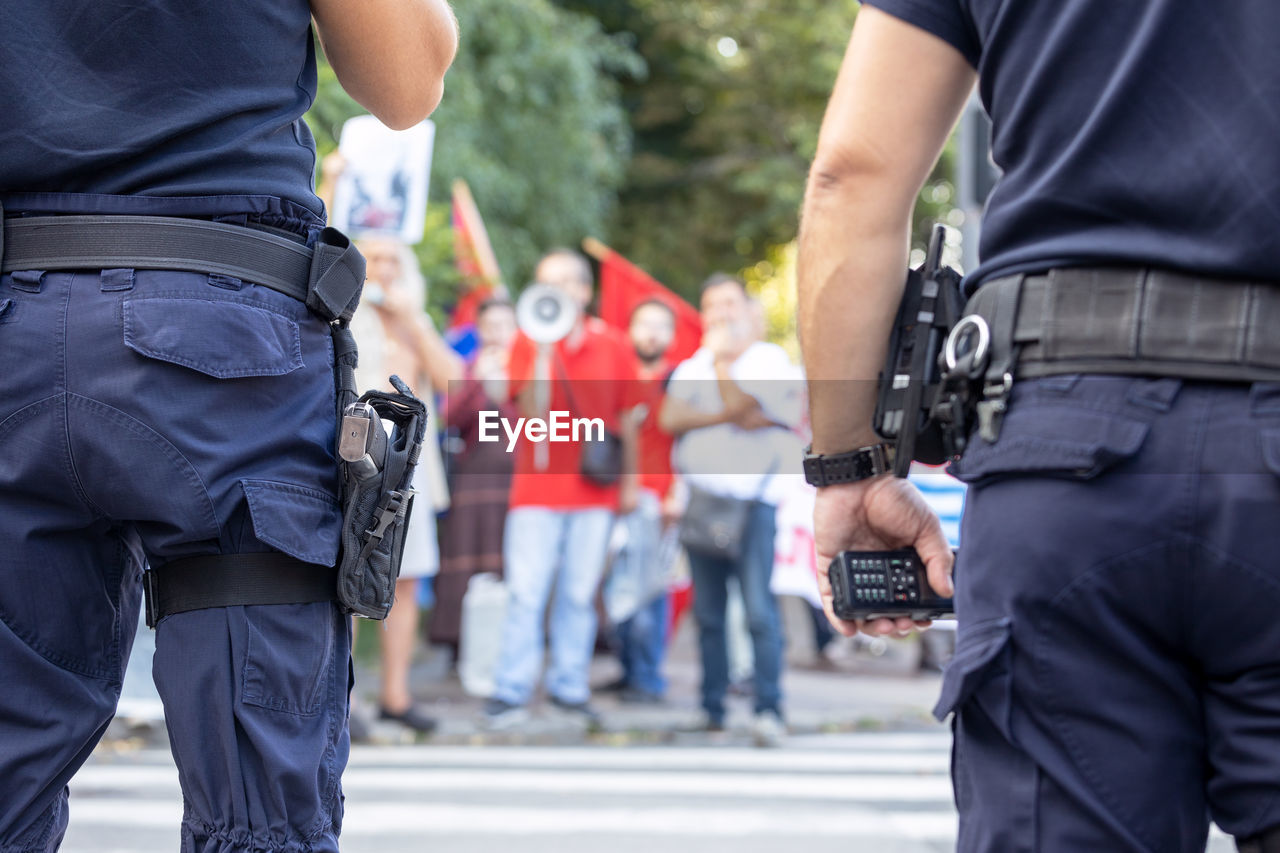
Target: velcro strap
335	277
225	580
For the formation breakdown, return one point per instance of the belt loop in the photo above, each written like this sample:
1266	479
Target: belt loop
28	281
112	280
1	236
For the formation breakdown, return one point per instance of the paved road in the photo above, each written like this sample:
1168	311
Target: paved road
877	792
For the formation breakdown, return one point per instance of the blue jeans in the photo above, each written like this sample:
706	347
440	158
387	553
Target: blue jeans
754	571
642	647
1115	681
636	585
543	547
145	417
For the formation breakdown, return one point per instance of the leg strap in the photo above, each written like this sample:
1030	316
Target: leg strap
224	580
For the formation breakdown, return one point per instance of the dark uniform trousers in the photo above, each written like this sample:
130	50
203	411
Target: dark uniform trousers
1116	682
146	416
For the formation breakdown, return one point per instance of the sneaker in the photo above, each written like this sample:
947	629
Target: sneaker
413	717
636	696
768	730
581	710
499	715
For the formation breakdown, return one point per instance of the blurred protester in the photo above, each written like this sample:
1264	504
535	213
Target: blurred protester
558	526
396	336
730	406
479	473
637	595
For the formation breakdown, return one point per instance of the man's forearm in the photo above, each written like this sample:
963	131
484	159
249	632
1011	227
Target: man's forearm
629	433
389	55
898	95
850	279
735	399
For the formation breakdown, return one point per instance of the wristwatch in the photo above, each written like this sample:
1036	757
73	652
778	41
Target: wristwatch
849	467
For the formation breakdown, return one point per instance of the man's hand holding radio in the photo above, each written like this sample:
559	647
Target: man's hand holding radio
879	514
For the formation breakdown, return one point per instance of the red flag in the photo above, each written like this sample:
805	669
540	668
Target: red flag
623	286
481	277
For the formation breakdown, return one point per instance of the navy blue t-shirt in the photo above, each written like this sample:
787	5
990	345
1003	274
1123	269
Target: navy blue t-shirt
1130	131
158	98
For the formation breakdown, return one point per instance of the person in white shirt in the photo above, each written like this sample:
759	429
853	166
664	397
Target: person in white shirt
734	406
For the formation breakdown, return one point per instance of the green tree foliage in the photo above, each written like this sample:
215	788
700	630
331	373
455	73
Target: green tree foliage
725	126
680	133
531	119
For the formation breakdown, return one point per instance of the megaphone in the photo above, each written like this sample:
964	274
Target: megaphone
545	314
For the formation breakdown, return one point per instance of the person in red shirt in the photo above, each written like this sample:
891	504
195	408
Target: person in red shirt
636	597
558	525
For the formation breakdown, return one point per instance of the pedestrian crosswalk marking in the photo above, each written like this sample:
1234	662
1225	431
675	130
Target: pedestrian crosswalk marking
865	791
850	787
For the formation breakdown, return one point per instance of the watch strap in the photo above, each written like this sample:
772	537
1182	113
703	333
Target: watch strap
850	467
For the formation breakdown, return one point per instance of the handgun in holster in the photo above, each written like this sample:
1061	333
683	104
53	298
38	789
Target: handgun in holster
377	487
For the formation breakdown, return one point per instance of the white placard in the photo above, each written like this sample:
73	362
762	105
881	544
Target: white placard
384	185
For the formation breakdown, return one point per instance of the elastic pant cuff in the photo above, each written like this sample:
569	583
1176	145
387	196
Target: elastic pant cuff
199	837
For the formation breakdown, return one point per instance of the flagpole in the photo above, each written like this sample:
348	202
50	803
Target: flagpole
596	249
485	256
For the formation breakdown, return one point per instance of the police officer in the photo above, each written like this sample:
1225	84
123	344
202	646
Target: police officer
1117	678
152	415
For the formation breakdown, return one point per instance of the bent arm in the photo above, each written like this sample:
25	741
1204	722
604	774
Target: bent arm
676	417
390	55
737	402
898	94
443	365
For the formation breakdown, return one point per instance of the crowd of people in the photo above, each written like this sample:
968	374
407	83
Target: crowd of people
568	546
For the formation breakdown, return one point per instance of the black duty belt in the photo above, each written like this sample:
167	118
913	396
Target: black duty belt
1132	321
327	277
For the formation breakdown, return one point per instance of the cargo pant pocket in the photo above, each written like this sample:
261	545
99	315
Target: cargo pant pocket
995	782
224	337
288	647
288	651
302	522
1052	440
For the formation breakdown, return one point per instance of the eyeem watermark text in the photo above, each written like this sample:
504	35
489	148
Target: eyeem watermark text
558	427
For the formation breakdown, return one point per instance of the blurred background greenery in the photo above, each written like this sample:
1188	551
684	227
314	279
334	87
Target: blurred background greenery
678	133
